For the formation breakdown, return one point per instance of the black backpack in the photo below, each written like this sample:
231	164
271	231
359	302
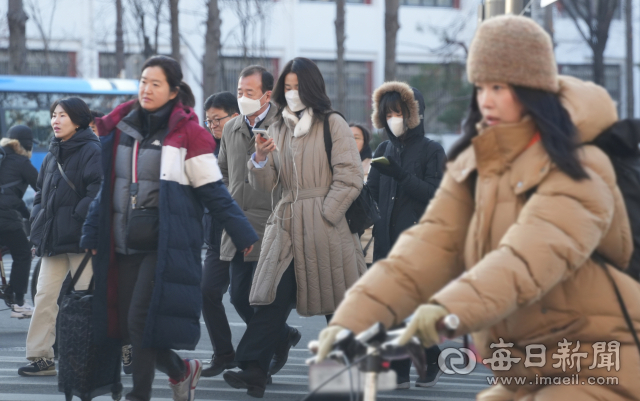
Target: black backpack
363	212
3	155
620	142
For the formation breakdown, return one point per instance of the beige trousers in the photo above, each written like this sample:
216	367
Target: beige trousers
42	330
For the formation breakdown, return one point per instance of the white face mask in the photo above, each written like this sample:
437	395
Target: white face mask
293	101
396	125
249	107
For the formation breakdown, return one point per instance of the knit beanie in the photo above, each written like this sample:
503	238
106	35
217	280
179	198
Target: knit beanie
22	134
515	50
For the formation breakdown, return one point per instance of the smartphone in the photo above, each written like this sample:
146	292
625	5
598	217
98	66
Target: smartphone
264	134
381	160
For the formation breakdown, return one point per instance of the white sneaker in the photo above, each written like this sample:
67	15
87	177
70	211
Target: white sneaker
185	390
21	312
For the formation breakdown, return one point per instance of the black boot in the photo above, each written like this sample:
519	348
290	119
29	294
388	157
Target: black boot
220	363
282	351
253	378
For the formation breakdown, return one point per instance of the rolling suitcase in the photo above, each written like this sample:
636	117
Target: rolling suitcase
86	370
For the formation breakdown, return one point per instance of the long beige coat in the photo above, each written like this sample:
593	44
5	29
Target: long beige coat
309	224
236	147
509	252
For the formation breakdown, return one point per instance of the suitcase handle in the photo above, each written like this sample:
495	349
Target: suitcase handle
76	277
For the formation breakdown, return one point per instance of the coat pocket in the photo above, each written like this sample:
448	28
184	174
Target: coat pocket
37	228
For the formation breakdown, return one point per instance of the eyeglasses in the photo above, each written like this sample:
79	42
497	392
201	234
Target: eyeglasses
215	122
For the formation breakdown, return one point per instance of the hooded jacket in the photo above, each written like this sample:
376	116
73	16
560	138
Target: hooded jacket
189	180
506	245
17	173
402	203
308	225
58	211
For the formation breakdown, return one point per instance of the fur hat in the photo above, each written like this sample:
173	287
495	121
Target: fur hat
515	50
406	94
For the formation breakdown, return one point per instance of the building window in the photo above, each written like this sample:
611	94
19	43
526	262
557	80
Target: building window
348	1
359	87
581	8
230	68
445	90
431	3
132	65
612	77
39	63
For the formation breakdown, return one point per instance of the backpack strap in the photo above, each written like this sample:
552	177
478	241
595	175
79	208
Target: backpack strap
328	142
68	180
599	259
76	277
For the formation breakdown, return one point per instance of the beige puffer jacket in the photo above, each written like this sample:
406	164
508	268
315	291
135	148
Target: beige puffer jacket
308	225
506	245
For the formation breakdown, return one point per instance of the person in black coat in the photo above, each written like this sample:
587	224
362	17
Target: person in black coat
404	187
16	174
69	180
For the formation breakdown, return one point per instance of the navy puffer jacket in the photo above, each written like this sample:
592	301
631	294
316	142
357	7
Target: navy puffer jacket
58	212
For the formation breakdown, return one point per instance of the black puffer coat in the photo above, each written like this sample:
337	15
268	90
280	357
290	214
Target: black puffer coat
17	173
58	212
402	203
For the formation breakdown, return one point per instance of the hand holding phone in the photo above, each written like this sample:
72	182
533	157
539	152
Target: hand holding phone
261	134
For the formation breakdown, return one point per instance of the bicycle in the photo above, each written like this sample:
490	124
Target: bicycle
368	357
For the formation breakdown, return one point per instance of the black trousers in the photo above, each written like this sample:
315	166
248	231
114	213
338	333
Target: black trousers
403	367
265	329
216	276
136	274
20	249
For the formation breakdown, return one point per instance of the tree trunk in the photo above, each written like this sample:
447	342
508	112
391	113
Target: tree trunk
175	31
391	26
340	70
17	37
211	59
598	65
119	40
628	12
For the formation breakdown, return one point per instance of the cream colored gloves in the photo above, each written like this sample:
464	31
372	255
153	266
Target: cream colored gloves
326	340
423	325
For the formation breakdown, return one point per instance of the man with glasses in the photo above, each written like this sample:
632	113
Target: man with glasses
236	147
219	109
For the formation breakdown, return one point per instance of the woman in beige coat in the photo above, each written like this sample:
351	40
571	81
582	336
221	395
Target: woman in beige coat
309	256
507	242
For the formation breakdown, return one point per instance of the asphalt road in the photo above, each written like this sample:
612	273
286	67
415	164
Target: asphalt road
290	384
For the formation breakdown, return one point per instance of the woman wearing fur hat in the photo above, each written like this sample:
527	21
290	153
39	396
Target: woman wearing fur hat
404	187
506	244
16	174
309	256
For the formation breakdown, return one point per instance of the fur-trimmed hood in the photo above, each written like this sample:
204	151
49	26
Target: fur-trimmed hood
407	94
15	145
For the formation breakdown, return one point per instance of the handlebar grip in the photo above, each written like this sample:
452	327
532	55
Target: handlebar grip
448	325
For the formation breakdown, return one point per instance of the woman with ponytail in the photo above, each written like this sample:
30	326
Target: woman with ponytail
144	228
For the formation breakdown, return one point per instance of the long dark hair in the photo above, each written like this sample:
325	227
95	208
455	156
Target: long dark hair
311	87
76	109
173	73
557	132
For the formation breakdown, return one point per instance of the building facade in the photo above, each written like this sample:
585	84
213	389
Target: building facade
77	38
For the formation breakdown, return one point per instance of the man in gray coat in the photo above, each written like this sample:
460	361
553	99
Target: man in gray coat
236	146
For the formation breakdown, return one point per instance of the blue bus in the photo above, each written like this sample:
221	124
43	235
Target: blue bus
26	100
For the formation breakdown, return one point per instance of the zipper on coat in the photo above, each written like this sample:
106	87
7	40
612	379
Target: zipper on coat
133	188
